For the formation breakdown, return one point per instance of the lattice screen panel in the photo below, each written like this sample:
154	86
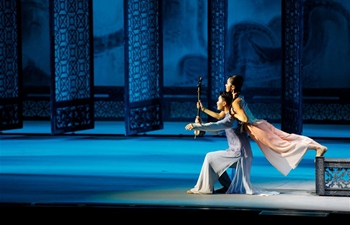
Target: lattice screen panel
217	33
291	66
144	66
10	65
72	80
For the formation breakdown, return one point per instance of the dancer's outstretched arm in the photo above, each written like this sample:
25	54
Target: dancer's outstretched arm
220	125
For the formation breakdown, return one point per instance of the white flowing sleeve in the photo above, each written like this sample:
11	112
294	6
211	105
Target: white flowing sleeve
221	125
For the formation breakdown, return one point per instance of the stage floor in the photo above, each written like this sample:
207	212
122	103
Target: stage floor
104	169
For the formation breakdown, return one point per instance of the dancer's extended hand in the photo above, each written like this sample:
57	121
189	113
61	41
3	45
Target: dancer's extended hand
189	126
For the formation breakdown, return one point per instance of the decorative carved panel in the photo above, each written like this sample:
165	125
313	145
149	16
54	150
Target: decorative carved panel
144	66
10	66
72	66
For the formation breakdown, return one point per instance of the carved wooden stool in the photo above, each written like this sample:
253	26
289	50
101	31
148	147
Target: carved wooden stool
333	176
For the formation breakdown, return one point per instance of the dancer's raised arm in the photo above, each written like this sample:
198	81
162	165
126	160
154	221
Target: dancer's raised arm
216	115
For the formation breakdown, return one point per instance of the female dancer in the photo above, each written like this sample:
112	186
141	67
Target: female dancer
283	150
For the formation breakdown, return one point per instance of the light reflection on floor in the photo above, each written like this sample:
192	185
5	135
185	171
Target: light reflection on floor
151	169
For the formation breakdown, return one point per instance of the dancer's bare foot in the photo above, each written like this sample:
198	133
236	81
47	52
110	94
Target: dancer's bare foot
190	192
320	151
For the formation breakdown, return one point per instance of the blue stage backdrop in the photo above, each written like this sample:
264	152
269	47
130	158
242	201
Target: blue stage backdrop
253	47
254	42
